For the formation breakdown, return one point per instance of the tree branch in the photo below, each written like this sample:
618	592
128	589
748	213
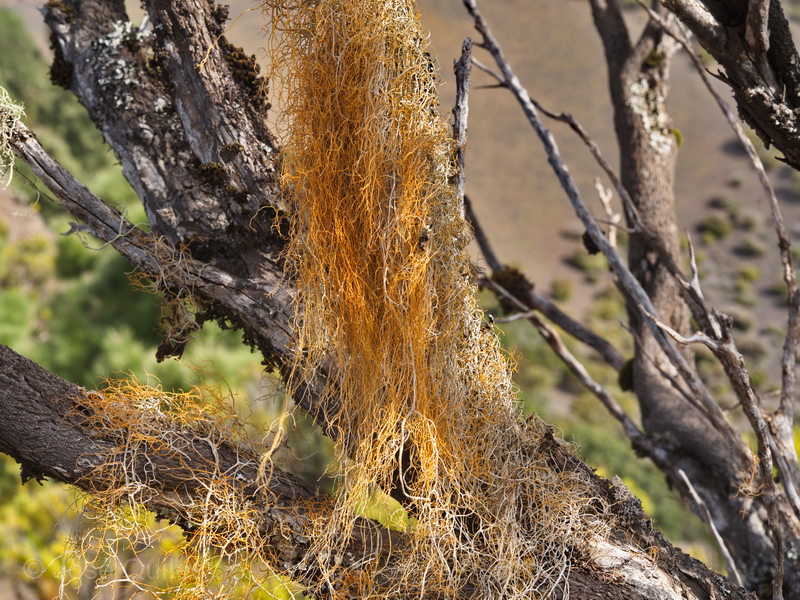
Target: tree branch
51	427
757	31
781	421
762	67
463	72
530	299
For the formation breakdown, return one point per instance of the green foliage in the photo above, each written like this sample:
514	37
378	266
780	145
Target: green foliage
779	290
750	248
677	135
35	532
561	289
758	379
722	203
29	262
16	315
73	258
386	510
591	265
715	227
750	273
85	311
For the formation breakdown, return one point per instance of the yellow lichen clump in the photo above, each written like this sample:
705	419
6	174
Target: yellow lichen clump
147	434
386	312
10	114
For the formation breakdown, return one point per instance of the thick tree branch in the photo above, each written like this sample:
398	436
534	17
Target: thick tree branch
781	436
50	426
760	63
46	424
261	307
614	31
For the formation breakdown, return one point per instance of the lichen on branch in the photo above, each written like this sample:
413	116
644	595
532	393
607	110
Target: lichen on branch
425	407
10	114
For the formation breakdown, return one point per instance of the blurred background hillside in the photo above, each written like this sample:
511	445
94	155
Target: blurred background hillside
72	309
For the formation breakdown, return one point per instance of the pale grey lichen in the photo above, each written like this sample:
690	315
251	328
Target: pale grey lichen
755	91
780	115
649	107
10	114
118	76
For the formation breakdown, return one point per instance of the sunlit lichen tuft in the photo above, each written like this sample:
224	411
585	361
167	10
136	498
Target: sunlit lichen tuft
10	115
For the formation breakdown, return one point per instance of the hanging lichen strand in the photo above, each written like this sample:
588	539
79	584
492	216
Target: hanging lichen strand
386	310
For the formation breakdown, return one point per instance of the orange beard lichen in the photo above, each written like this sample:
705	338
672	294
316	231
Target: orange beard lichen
387	311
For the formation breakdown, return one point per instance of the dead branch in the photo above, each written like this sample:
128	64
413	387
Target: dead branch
630	284
533	300
463	72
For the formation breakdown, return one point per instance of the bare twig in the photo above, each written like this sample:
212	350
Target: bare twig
757	26
480	236
613	218
732	570
631	212
534	301
515	316
463	72
629	283
640	442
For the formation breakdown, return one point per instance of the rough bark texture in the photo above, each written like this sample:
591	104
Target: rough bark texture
763	70
193	144
44	429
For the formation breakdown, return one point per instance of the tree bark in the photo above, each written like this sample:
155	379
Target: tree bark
45	425
762	70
